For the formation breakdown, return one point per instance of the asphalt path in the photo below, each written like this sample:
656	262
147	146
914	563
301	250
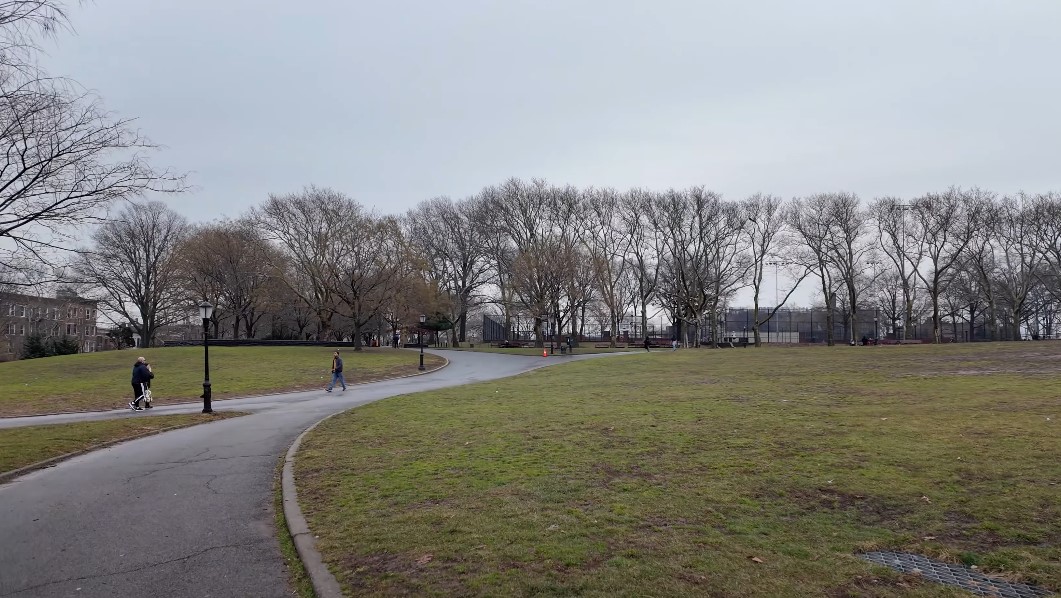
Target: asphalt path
188	512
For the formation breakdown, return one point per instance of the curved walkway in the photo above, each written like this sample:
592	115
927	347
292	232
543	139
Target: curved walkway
187	512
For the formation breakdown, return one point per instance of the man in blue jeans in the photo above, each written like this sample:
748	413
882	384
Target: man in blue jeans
337	372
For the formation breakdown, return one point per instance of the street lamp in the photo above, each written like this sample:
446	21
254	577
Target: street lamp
206	310
420	340
876	333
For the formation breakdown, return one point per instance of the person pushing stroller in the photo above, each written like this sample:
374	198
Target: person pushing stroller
142	376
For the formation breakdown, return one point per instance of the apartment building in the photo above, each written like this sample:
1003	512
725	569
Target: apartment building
64	315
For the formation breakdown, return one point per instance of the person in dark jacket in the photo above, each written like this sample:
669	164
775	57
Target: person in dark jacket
646	343
337	372
141	380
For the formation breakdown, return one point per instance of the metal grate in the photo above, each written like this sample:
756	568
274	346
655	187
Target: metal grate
954	575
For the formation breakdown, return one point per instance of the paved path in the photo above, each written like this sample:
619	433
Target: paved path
187	512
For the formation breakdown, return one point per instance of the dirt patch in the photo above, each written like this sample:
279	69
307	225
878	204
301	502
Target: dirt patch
610	474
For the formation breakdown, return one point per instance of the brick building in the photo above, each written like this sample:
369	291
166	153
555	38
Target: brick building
64	315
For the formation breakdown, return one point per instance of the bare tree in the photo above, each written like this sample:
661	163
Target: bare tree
130	268
65	157
230	263
706	259
369	266
446	235
308	226
1018	272
646	244
903	253
981	263
766	215
810	219
946	223
607	245
1047	219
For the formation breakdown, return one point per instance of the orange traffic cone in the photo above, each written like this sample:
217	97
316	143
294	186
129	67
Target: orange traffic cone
545	352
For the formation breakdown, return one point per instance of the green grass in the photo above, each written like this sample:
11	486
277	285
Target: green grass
20	447
97	381
667	473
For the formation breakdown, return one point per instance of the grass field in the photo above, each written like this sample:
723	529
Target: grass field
710	473
20	447
98	381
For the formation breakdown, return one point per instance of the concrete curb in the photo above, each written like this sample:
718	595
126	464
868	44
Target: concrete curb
325	585
7	476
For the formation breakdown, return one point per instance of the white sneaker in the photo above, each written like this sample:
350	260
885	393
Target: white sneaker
132	405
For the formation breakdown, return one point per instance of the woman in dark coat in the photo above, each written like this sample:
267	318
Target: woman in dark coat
141	382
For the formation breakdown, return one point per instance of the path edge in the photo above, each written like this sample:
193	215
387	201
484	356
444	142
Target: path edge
8	476
325	585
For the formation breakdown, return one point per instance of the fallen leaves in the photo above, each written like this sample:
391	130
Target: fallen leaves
755	559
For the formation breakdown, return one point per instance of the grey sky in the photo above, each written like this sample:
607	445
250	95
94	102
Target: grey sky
396	102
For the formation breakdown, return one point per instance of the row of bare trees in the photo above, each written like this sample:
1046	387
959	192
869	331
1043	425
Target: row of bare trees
317	264
561	253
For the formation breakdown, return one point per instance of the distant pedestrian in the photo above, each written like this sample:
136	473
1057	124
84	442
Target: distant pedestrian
674	344
141	380
646	344
395	340
337	372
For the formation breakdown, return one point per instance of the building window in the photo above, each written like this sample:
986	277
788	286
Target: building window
71	329
11	309
21	311
22	329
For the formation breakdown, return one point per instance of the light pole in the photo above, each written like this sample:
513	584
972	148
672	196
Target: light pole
420	340
876	333
206	310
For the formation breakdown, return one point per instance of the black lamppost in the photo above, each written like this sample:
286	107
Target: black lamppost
420	340
876	332
206	310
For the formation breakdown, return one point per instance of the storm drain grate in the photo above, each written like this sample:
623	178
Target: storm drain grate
954	575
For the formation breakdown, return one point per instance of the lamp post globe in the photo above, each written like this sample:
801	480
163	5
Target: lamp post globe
206	311
420	340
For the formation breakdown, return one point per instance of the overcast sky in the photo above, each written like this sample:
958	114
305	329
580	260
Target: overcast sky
396	102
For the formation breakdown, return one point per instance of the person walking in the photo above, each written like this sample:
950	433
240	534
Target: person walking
141	379
337	373
646	344
674	344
